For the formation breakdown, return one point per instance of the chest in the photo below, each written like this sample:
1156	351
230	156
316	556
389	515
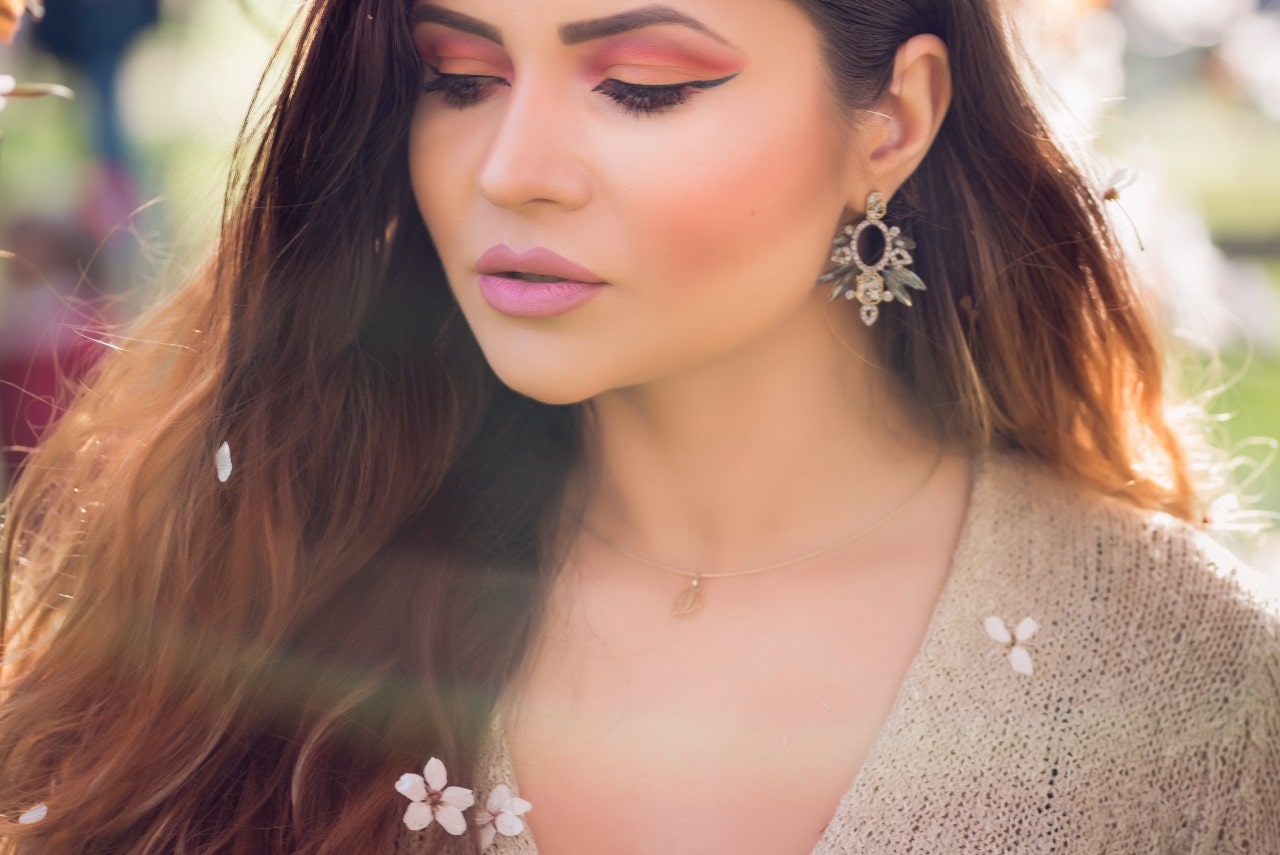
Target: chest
738	731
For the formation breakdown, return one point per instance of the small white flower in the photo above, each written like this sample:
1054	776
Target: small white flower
6	86
1122	179
37	813
430	800
222	462
1019	656
501	816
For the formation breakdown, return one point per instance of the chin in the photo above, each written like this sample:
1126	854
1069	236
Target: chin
545	384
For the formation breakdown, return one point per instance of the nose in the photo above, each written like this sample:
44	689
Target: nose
534	156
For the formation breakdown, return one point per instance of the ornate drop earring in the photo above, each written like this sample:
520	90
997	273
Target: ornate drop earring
872	284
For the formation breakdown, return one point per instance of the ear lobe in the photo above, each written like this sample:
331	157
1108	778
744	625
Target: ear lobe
915	105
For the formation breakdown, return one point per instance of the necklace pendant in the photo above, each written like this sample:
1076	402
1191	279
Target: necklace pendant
689	600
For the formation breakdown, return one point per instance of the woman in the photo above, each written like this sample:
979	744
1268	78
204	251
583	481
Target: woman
508	476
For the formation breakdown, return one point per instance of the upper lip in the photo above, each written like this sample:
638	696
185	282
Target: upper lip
538	261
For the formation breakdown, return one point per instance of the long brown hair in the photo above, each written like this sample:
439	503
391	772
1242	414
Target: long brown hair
194	665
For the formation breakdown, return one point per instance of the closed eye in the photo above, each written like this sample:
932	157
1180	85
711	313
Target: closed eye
463	90
641	99
459	90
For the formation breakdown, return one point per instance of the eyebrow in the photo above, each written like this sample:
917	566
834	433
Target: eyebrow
427	14
572	33
648	16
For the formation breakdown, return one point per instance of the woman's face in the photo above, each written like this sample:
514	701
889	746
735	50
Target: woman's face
686	159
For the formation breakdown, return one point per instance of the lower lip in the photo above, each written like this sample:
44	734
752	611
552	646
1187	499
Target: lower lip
521	299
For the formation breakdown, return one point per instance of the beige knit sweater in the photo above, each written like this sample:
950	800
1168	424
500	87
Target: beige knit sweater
1149	721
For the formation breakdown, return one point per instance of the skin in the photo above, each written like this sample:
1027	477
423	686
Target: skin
10	18
658	206
737	419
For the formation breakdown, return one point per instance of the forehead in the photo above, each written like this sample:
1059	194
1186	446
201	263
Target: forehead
570	32
733	23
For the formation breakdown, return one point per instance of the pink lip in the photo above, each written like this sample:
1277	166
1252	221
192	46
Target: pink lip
575	285
543	262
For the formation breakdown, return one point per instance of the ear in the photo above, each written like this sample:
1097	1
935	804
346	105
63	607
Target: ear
906	121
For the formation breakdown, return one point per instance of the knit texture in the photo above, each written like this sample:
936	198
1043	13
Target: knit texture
1149	722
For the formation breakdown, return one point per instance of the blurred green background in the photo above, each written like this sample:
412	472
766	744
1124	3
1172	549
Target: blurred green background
1186	95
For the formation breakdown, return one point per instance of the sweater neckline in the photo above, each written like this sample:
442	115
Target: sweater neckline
960	578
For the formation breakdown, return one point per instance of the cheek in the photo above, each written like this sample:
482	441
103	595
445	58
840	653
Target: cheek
429	187
441	173
755	201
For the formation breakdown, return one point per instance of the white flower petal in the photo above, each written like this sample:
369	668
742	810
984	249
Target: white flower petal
518	806
3	102
451	819
499	796
435	775
222	461
1020	659
7	82
458	797
412	787
1026	629
40	811
997	630
1121	178
487	834
418	816
508	824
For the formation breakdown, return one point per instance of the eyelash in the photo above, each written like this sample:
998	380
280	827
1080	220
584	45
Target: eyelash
463	90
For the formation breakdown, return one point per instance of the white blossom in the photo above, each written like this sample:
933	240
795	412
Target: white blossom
1019	656
33	815
222	462
1121	179
501	816
431	800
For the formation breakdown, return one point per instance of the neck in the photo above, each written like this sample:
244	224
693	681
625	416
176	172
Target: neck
757	457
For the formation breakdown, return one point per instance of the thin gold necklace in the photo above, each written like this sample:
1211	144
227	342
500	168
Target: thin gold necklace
689	601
